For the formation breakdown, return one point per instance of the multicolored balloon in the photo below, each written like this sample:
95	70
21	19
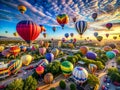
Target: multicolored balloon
22	8
92	68
94	16
91	55
14	50
80	74
66	35
109	25
55	52
43	62
84	49
111	54
14	66
66	68
39	70
99	38
42	28
49	57
28	30
26	59
42	51
48	78
81	27
62	19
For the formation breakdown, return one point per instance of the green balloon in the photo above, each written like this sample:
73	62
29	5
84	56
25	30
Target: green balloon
110	54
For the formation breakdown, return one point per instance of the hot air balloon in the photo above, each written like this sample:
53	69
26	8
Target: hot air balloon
71	34
43	62
26	59
28	30
14	50
107	35
54	29
62	19
74	19
22	8
63	39
109	25
74	40
111	54
44	35
107	48
14	66
95	34
99	38
91	55
71	40
49	56
41	43
84	49
55	52
114	37
48	78
80	74
42	51
94	16
6	53
52	39
66	68
23	48
81	27
46	44
1	48
42	28
92	68
39	70
116	51
112	45
15	34
66	35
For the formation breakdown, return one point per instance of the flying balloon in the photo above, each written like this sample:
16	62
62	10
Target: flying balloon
109	25
74	19
99	38
94	16
54	29
62	19
66	35
107	35
28	30
42	28
71	34
95	34
81	27
44	35
15	34
22	8
114	37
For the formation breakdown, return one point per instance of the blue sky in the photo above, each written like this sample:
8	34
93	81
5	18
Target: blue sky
45	11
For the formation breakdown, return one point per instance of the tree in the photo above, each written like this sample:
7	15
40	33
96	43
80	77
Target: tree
15	85
52	88
72	86
93	80
62	59
118	60
62	84
30	83
71	59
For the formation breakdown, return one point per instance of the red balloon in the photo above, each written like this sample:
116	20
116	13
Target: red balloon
107	35
109	25
40	70
28	30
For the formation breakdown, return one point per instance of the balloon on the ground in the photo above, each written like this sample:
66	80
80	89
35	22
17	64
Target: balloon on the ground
116	51
91	55
66	68
92	68
49	57
107	48
41	43
48	78
40	70
14	50
23	48
112	45
55	52
81	27
14	66
22	8
1	48
42	51
84	49
43	62
80	74
26	59
110	54
6	53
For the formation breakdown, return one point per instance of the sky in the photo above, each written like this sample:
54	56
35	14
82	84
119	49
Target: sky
44	12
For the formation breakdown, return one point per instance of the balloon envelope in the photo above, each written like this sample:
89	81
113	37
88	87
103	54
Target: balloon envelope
49	56
55	52
107	48
43	62
26	59
39	70
110	54
22	8
42	51
92	68
14	50
91	55
84	49
48	78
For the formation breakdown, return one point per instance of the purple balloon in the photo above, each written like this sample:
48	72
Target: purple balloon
91	55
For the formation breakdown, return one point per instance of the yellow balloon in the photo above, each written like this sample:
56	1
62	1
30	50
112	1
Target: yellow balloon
1	48
55	52
22	8
26	59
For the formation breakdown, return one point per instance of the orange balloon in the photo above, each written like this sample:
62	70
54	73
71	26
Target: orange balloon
14	50
107	48
48	78
84	49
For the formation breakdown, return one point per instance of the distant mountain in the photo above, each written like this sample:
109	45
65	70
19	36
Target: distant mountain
3	37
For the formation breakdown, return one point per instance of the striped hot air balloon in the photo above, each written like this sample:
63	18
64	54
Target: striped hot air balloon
55	52
92	68
43	62
49	56
81	27
48	78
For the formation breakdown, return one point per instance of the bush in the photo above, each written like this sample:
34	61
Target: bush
72	86
62	84
52	88
118	60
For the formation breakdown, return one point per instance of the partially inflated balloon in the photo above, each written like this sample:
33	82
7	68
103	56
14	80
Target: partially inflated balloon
14	50
28	30
26	59
66	68
40	70
111	54
84	49
92	68
42	51
99	38
91	55
81	27
62	19
49	57
1	48
109	25
55	52
22	8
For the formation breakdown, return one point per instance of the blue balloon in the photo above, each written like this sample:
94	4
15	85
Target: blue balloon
66	35
49	56
91	55
110	54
